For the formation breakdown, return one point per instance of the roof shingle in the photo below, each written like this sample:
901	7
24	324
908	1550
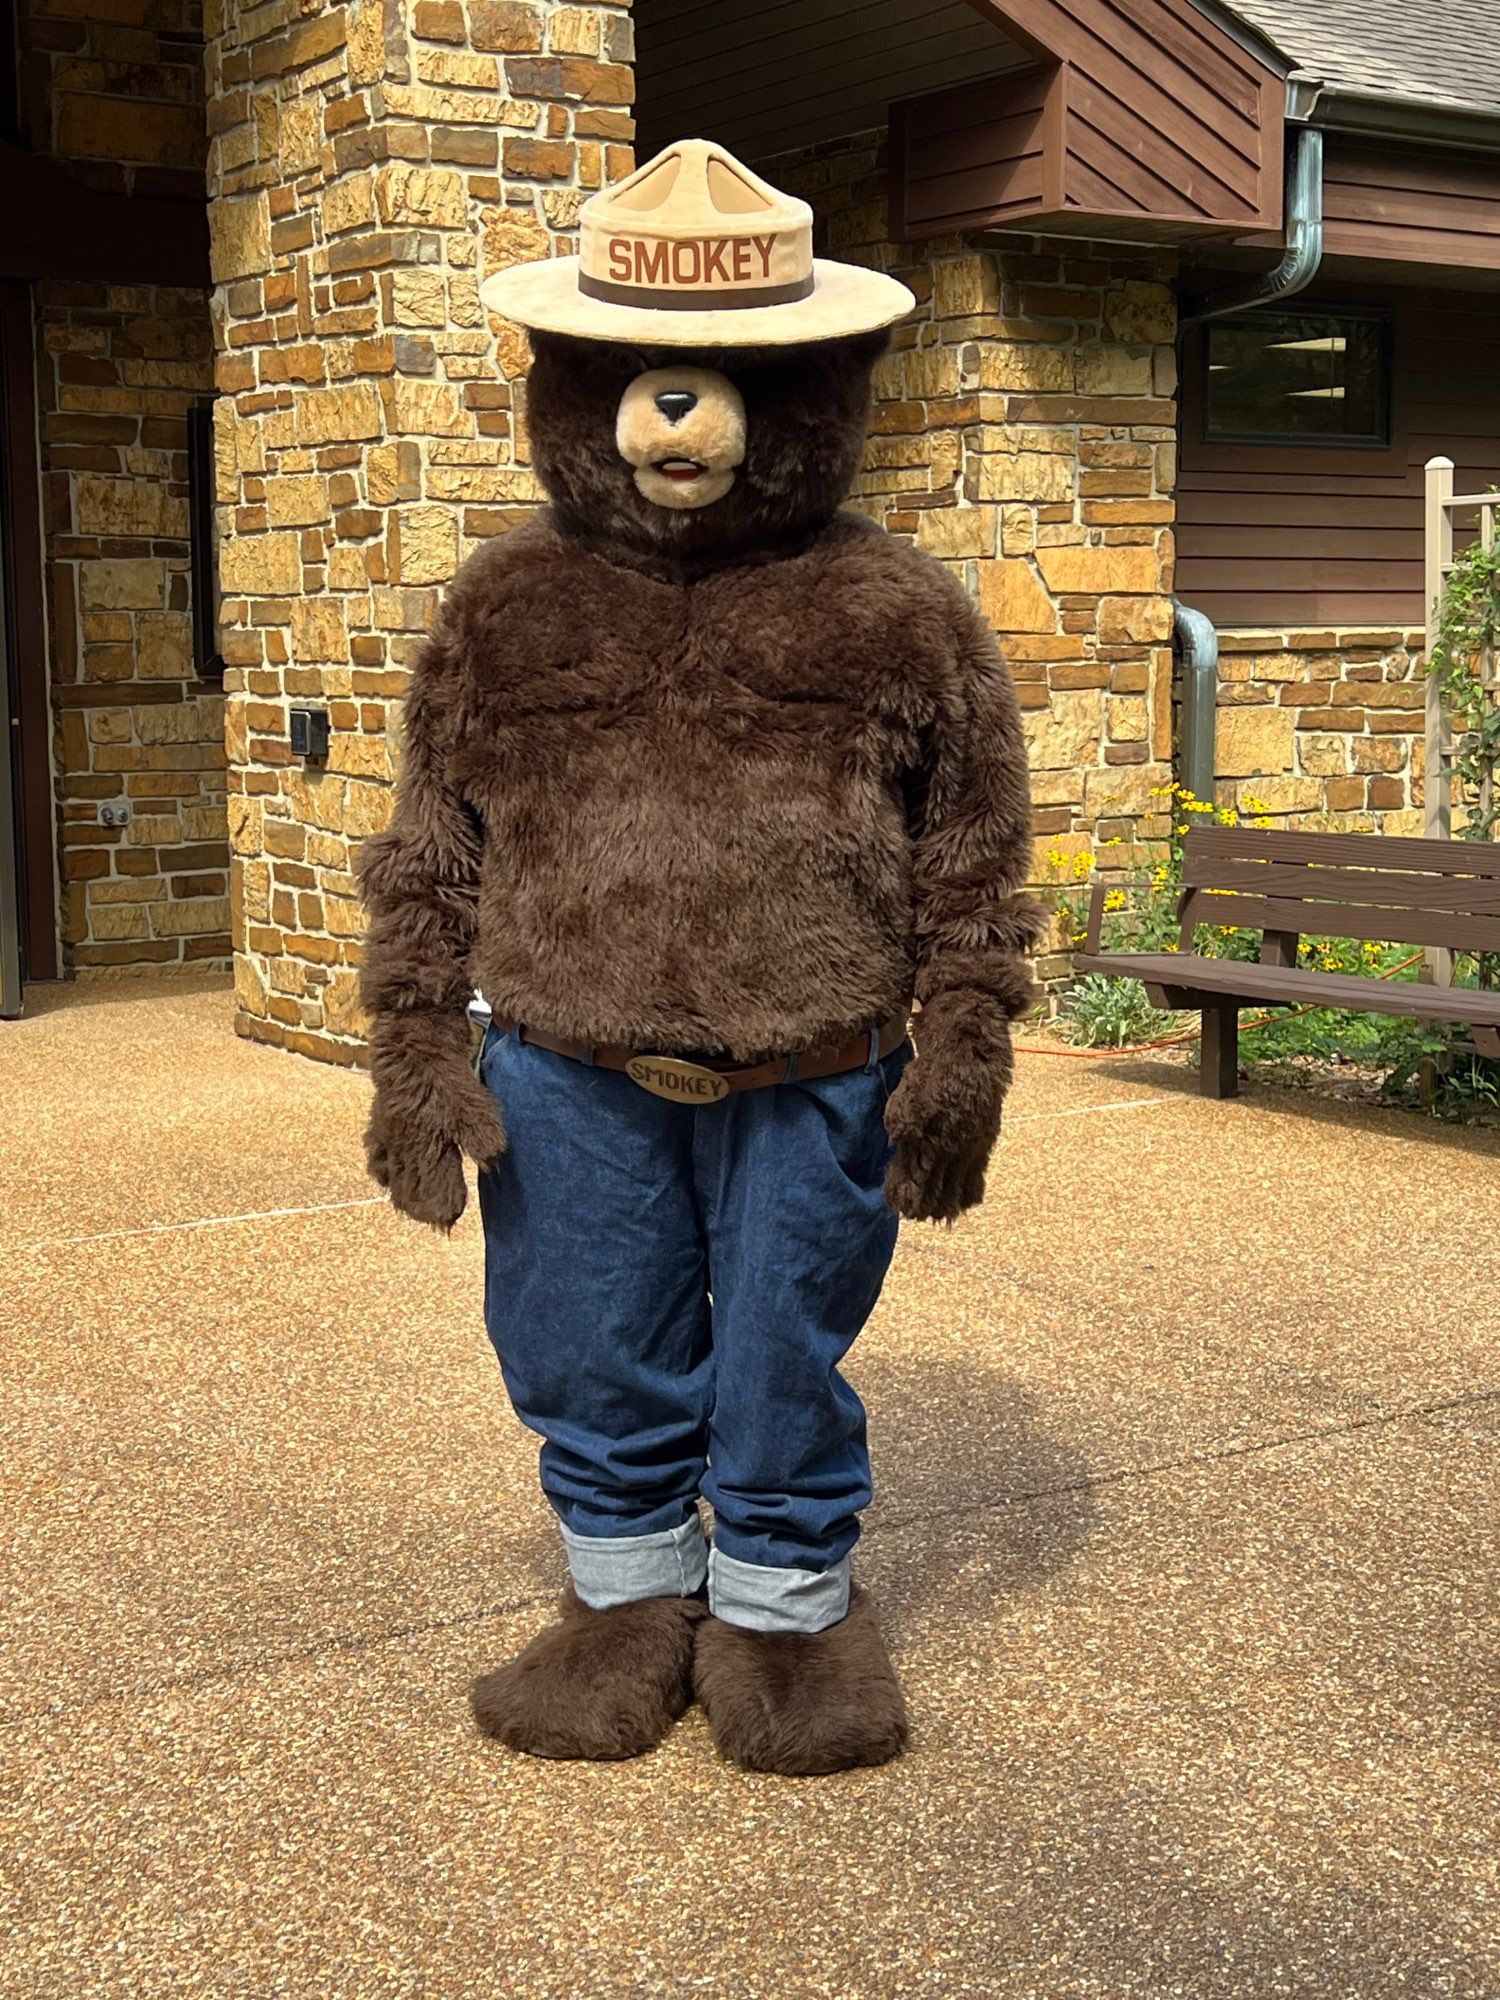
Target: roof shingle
1411	48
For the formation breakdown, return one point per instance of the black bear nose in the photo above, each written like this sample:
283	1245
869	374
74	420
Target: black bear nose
674	404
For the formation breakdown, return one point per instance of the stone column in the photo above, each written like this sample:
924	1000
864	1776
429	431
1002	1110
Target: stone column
368	165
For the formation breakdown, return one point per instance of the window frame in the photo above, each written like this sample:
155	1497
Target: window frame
1381	317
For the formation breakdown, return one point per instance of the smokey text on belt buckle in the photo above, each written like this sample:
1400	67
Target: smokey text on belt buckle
681	1082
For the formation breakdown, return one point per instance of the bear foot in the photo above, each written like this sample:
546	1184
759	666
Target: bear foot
801	1703
598	1684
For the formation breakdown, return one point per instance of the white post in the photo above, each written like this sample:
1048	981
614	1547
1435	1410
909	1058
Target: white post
1438	790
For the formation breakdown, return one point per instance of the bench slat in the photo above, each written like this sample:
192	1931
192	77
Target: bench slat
1386	888
1350	850
1403	926
1281	986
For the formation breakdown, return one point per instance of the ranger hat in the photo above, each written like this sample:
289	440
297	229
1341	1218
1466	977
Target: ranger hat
694	250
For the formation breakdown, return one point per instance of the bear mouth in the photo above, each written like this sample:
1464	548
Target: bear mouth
683	470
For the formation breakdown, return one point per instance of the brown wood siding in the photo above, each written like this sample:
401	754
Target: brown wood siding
973	155
1160	94
1411	207
1156	121
1313	536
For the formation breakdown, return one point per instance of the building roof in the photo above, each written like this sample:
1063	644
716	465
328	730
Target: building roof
1426	49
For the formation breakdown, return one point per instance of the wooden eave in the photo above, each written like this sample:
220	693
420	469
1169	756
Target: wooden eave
1140	120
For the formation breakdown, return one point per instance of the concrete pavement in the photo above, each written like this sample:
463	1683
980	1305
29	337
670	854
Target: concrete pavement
1186	1541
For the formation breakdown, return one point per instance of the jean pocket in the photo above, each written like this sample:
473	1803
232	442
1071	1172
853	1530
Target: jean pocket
892	1068
486	1042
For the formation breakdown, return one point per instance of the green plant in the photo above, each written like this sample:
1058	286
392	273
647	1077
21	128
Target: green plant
1105	1013
1467	637
1432	1065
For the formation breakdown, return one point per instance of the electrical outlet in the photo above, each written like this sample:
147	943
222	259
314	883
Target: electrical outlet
309	734
114	812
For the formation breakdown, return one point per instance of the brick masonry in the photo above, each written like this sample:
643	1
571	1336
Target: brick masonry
1323	729
119	98
118	367
115	88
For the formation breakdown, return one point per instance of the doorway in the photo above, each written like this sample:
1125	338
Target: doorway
28	898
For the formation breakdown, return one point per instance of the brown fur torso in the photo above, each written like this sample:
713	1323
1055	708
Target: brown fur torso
691	787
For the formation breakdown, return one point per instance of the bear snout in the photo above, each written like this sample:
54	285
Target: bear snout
682	431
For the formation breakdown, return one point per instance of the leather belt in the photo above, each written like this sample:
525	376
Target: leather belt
688	1082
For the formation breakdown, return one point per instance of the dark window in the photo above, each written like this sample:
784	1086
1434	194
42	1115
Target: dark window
1299	378
203	541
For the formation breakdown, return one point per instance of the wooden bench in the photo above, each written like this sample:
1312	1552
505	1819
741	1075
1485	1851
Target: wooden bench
1290	885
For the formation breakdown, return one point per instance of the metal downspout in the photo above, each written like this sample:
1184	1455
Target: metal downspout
1193	630
1304	241
1199	645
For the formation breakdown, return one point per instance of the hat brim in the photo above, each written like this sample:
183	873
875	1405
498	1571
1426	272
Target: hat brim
845	299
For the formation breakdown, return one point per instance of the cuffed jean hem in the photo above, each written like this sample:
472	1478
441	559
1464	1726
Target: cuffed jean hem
620	1569
776	1600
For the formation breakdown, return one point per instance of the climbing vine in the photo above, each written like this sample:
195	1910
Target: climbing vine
1468	634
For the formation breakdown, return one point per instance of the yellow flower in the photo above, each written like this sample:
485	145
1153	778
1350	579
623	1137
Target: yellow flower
1227	816
1082	864
1115	900
1264	821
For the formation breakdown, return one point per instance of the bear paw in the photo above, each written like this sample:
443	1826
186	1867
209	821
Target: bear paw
801	1704
597	1684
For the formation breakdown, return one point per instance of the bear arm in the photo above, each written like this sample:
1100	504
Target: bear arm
420	882
971	825
420	877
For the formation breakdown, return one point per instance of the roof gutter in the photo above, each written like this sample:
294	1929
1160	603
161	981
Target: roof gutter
1341	107
1304	241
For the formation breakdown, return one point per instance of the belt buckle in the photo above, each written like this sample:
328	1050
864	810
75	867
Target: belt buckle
677	1080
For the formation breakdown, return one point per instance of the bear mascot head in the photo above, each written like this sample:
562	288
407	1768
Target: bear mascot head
703	454
701	381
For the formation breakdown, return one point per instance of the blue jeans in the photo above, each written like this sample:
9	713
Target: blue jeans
670	1291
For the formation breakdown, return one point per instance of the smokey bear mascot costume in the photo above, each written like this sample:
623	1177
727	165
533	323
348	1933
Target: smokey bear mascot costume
704	783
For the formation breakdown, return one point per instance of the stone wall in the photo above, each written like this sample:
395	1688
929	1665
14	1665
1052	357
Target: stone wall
118	367
368	164
1025	433
1323	729
115	89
